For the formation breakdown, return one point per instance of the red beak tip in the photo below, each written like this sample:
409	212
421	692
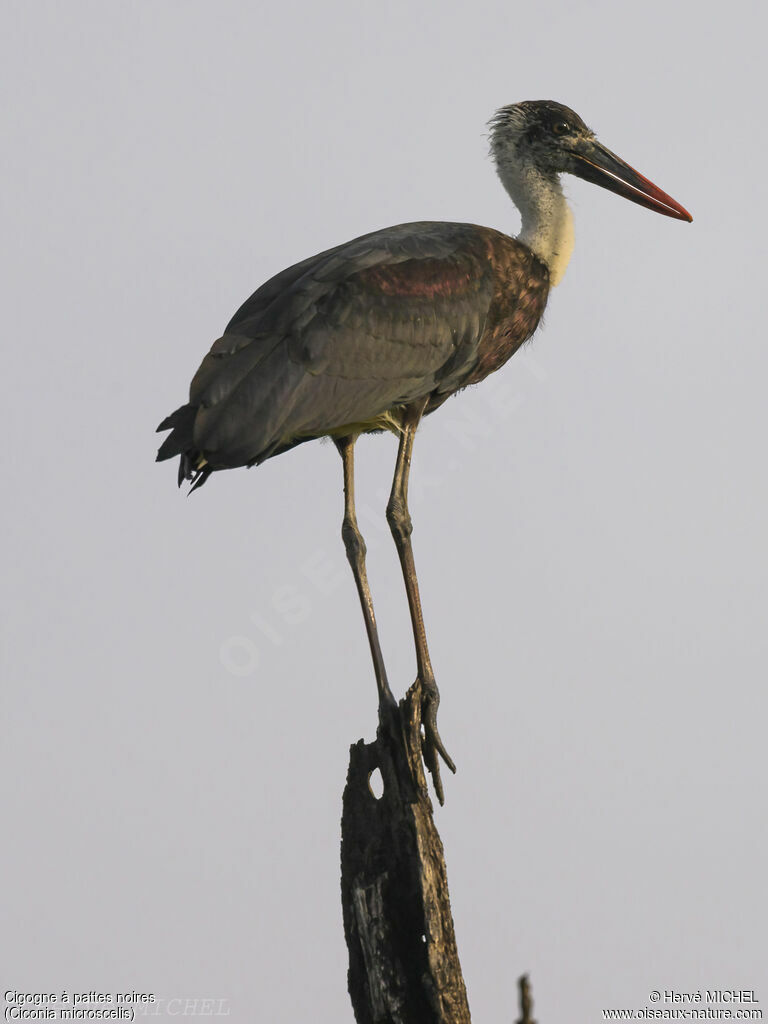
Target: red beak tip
680	213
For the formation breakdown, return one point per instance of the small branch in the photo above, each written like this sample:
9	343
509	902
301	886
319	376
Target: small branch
403	961
526	1001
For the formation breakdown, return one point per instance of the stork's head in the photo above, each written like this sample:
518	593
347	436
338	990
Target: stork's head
547	139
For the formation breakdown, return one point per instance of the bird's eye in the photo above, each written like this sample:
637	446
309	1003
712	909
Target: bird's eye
561	127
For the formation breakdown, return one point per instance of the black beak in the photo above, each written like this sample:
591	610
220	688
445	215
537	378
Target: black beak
599	165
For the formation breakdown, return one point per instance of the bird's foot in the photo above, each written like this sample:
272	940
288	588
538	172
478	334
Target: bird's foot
432	746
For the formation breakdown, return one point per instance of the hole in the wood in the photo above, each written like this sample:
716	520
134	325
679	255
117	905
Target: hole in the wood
376	784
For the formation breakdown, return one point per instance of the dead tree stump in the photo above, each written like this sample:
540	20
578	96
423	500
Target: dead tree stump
403	962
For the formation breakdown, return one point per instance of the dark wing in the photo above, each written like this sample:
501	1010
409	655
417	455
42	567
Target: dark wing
338	340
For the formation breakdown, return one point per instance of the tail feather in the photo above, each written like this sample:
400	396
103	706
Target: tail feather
185	468
199	477
180	442
181	424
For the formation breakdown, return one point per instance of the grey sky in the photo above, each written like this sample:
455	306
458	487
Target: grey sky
182	678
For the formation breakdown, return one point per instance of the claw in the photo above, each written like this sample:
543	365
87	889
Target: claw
433	767
431	744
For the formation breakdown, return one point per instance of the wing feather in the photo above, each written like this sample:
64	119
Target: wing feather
343	337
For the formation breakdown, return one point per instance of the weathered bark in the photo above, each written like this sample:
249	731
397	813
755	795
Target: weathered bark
403	962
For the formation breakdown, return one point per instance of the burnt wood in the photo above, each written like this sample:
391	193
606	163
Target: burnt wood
403	961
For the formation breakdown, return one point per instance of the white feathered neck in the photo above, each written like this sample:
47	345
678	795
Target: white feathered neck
547	227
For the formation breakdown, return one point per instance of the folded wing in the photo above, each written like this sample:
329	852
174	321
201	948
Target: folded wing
338	340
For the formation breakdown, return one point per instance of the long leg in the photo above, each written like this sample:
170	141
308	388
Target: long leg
400	523
355	547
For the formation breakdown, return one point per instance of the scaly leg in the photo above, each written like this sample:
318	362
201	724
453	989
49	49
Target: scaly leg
355	547
399	520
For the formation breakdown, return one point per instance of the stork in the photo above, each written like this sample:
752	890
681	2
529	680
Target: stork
378	332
